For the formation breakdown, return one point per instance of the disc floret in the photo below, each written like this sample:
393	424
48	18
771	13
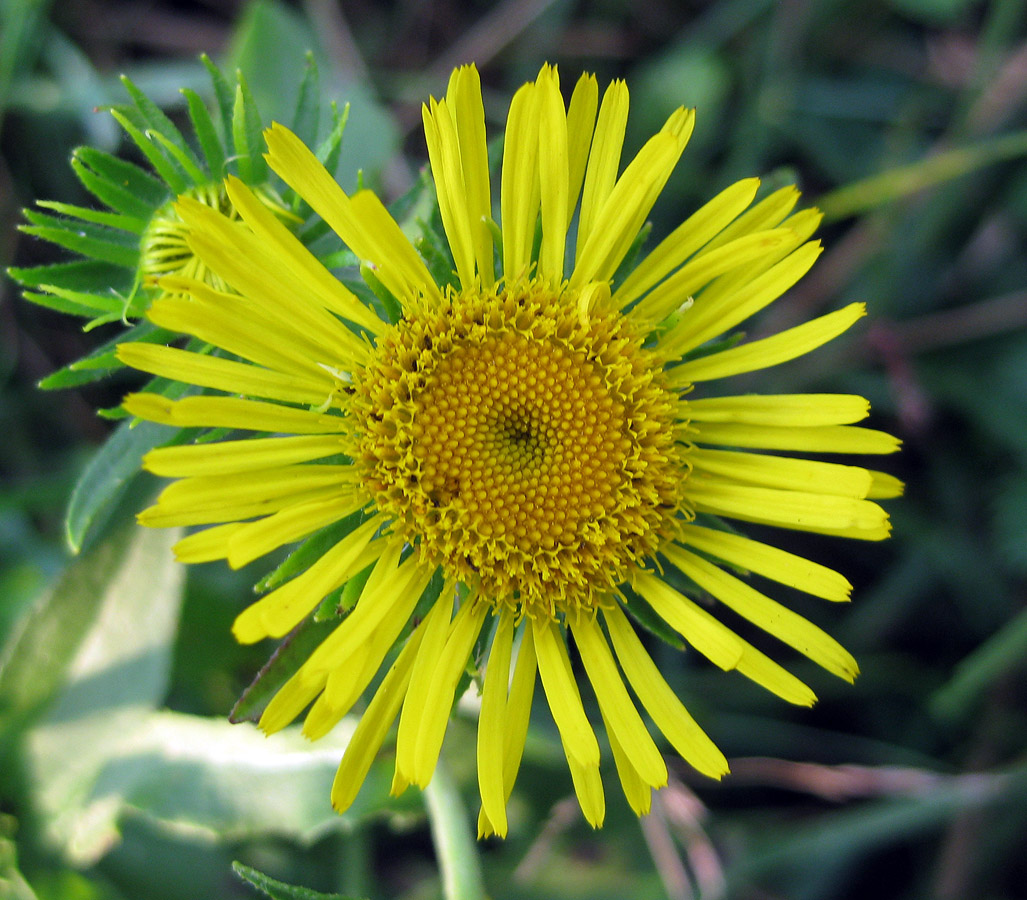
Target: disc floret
526	445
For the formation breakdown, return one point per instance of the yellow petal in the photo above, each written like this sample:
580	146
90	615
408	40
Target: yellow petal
686	239
711	638
520	191
885	486
703	268
225	374
554	170
228	457
554	666
239	326
770	562
712	315
812	439
206	545
439	700
767	614
275	281
667	711
436	631
806	410
618	710
374	725
768	213
637	791
229	412
813	476
604	158
362	222
581	120
278	612
464	96
444	155
518	713
256	539
313	281
771	351
347	682
761	669
491	725
790	509
225	498
589	787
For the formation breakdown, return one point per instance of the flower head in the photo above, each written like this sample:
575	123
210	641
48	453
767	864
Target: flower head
518	454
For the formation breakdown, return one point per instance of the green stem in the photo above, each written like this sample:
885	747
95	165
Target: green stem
455	847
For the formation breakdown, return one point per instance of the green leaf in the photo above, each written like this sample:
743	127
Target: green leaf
278	890
330	148
77	275
95	241
206	134
154	117
72	303
122	185
290	655
107	475
166	166
102	361
247	135
223	93
186	160
133	224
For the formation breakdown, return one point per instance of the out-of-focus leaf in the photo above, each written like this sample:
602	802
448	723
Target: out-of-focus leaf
877	190
114	668
837	839
1000	654
269	41
202	776
13	885
278	890
87	619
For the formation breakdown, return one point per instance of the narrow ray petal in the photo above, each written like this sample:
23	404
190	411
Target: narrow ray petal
554	666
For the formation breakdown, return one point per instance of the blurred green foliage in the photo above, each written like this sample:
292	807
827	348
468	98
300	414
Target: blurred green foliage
119	774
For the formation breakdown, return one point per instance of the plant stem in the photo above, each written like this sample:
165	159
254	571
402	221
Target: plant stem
455	847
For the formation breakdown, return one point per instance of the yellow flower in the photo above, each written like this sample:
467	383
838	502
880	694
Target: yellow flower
527	434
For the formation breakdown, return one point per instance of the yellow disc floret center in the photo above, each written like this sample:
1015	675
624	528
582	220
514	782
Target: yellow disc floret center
524	446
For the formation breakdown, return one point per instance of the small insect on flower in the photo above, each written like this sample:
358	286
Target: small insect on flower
523	450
